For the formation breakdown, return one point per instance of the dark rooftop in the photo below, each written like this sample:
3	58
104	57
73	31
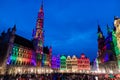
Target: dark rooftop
23	41
46	50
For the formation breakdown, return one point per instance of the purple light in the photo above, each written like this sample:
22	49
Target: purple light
58	61
34	63
53	62
106	58
8	61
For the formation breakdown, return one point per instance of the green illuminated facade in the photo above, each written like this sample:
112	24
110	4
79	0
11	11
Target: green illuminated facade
116	37
63	63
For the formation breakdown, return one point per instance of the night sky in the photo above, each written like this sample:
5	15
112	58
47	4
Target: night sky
70	25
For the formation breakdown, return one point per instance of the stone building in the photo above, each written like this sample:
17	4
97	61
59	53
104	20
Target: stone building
84	64
20	55
108	48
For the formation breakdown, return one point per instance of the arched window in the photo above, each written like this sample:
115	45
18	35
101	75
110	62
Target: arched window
18	54
26	63
16	62
13	62
23	55
19	62
26	55
23	63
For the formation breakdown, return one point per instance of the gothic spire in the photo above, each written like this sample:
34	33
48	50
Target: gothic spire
41	7
40	18
99	29
100	33
14	27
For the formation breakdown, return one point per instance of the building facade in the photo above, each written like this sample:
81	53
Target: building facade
38	36
74	63
63	65
116	37
84	64
69	63
20	55
53	62
58	62
108	49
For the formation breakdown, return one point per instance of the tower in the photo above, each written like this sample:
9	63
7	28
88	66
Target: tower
117	26
109	41
50	56
38	36
106	51
117	39
6	44
100	40
109	53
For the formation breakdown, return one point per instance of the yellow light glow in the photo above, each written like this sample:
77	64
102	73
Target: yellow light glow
47	70
19	70
111	71
31	70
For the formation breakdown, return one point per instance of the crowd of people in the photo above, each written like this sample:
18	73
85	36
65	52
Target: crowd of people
55	76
